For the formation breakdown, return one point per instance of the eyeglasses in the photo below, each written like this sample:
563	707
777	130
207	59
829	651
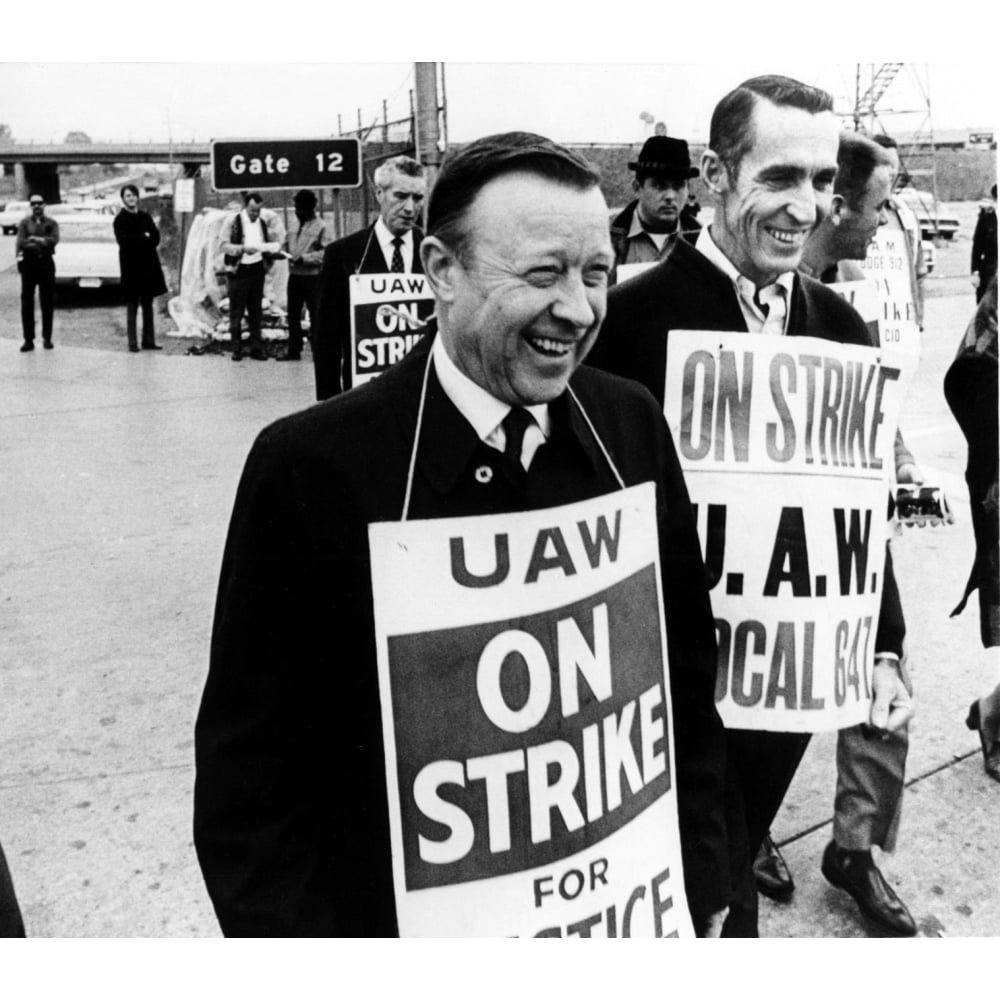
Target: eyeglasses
35	203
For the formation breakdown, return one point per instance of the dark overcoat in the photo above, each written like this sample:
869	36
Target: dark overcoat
359	253
291	820
138	238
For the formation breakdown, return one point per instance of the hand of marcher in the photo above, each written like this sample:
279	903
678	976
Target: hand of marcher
909	472
975	279
891	702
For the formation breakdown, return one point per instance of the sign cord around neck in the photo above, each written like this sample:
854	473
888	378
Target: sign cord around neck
597	437
368	243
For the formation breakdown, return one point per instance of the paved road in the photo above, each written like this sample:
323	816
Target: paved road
119	477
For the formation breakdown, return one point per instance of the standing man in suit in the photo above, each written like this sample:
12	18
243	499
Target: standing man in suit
37	236
771	164
488	414
390	245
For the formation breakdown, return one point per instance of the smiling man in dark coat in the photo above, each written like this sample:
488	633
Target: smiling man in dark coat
291	814
771	163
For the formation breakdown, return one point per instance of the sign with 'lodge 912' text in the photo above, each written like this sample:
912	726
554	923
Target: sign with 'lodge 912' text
274	164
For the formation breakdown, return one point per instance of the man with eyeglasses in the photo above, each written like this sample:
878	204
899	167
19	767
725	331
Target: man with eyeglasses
37	236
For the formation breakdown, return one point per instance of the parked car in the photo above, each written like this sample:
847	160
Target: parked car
12	214
932	223
87	254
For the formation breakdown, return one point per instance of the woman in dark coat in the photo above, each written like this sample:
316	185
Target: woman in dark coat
142	276
971	390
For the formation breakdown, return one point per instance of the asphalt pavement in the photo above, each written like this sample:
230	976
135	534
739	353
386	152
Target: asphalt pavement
119	476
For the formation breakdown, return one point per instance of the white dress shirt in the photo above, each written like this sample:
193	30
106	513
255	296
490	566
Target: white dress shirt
485	412
385	239
775	296
253	237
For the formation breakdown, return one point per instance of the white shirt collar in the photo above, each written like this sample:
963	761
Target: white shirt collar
483	411
385	239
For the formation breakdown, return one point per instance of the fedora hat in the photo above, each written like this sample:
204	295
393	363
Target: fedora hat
663	154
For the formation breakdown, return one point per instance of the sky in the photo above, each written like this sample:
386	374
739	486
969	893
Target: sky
577	73
575	102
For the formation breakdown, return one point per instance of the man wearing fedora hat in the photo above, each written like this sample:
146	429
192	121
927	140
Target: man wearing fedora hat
646	231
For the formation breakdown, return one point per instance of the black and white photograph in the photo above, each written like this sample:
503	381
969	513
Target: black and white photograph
502	497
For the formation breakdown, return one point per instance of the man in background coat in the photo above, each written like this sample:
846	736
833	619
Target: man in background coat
771	163
984	246
291	818
391	244
647	229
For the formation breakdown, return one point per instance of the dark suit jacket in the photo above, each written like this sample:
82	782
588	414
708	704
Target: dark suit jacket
688	292
291	820
358	253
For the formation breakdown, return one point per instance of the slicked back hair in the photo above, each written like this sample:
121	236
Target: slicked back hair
465	173
405	165
731	134
857	158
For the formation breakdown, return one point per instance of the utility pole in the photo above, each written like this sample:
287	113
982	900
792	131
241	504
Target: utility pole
427	133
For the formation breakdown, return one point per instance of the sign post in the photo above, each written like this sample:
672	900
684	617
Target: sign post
276	164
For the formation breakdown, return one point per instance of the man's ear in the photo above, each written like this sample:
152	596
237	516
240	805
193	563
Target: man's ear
713	172
838	209
440	264
636	186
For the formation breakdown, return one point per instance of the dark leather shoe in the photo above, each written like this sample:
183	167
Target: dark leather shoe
47	344
237	356
771	873
28	345
856	873
151	347
133	348
289	357
258	354
991	754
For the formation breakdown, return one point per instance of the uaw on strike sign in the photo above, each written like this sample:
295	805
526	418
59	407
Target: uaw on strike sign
388	315
526	717
786	443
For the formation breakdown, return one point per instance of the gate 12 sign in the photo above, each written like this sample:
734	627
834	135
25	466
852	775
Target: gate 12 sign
526	716
276	164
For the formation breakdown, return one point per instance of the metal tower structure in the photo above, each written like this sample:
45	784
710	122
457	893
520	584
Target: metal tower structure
873	87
